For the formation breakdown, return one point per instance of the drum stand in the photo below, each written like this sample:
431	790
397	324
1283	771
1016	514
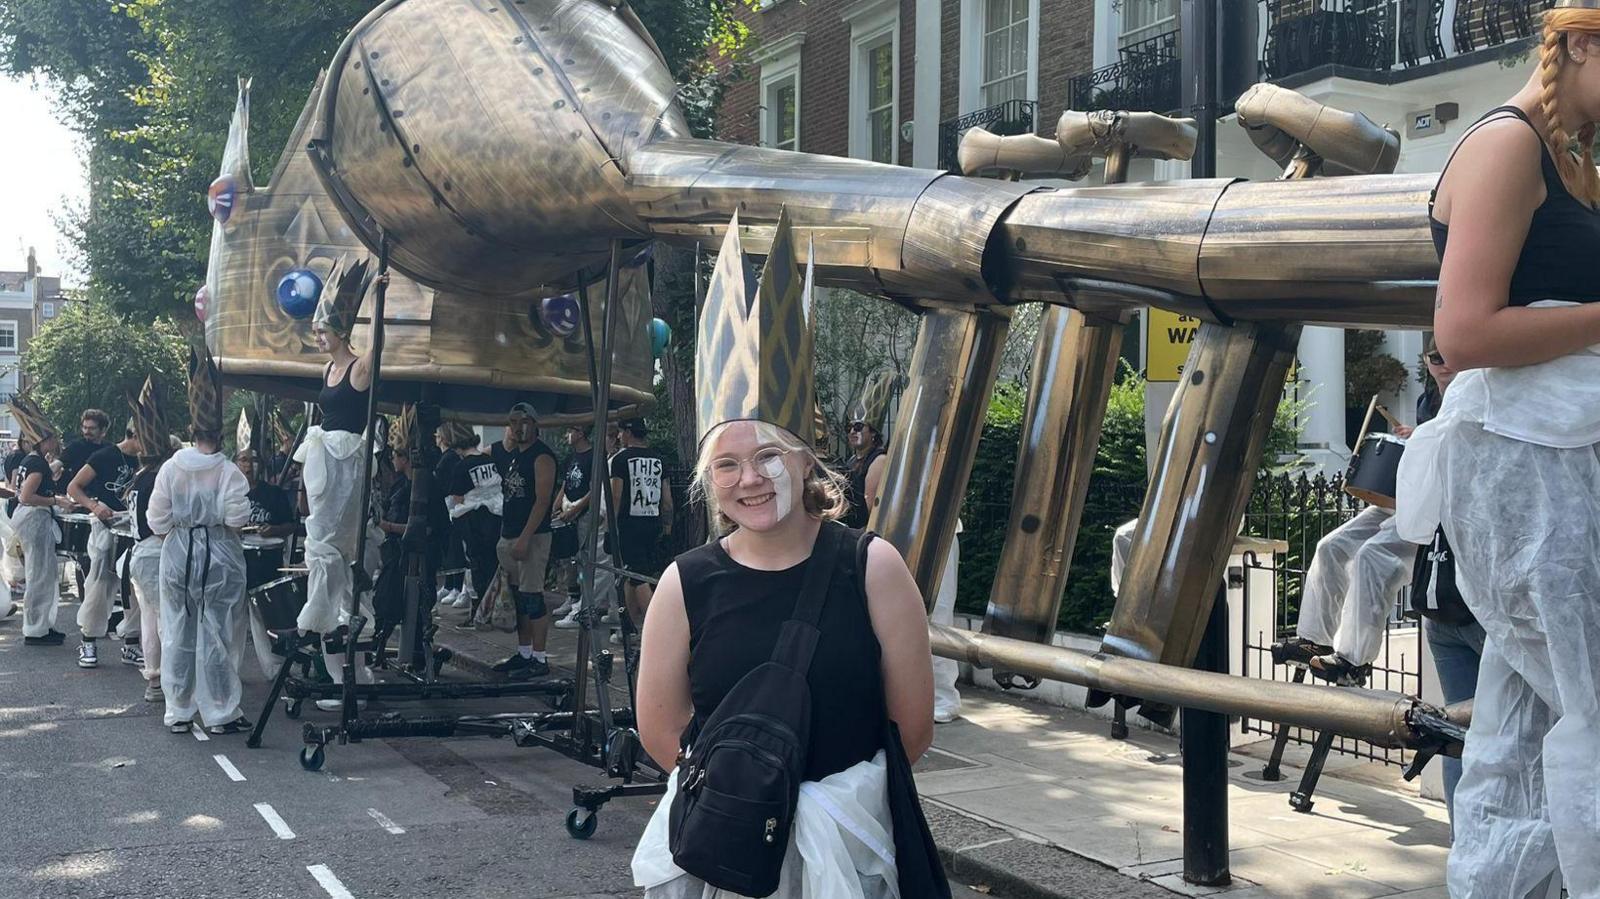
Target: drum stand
1300	799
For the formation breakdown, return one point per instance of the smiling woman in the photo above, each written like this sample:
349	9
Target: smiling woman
825	806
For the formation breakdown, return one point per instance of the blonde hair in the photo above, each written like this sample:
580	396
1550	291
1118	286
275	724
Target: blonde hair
1577	173
822	492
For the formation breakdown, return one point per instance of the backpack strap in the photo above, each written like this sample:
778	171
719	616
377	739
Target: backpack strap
797	641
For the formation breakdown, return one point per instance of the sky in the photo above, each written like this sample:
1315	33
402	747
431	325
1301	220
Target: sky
41	174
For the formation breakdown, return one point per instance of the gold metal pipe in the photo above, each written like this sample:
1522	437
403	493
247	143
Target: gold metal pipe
1382	718
935	437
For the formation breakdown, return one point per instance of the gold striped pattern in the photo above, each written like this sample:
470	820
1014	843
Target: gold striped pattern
205	392
31	420
754	354
872	406
149	424
342	296
400	430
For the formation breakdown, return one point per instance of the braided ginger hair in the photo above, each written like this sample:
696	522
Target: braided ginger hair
1577	172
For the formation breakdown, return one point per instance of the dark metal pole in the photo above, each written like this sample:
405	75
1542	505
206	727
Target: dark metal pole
359	582
1205	734
416	540
1205	767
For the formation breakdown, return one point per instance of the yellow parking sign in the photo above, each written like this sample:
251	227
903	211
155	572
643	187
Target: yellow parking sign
1168	337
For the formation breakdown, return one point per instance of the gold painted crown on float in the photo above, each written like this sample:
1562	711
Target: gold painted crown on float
342	295
872	406
205	392
753	359
149	424
31	420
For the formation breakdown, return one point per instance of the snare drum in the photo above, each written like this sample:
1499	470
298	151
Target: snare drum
1371	476
279	601
75	528
263	556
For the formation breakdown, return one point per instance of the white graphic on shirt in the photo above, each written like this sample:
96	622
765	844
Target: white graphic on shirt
644	488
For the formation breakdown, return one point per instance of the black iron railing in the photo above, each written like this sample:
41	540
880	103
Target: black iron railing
1146	76
1010	117
1383	34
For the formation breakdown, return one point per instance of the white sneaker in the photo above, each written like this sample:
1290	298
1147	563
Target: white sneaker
616	638
449	599
152	692
87	658
945	716
612	619
443	592
565	608
570	622
335	705
463	601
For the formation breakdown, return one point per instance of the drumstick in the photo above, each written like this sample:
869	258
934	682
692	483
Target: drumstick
1389	417
1366	421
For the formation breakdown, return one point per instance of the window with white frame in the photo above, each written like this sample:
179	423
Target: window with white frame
8	336
1006	50
874	81
1144	19
49	310
780	93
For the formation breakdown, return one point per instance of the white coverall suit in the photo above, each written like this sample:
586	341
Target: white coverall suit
1356	573
199	502
332	477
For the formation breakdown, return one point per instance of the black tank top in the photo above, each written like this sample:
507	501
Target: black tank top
344	408
1563	237
734	617
859	512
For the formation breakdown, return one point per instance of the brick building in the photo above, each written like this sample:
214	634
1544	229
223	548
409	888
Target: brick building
853	77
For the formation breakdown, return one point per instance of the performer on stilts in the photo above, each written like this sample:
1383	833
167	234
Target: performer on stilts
331	458
34	525
198	503
153	446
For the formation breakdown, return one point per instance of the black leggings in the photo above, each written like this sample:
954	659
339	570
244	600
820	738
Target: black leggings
479	530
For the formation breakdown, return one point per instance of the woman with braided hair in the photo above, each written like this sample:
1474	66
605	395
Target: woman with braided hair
1511	466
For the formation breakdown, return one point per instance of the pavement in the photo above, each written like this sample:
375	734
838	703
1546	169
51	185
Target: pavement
1037	801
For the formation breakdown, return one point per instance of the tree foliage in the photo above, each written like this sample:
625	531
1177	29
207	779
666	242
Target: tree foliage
90	357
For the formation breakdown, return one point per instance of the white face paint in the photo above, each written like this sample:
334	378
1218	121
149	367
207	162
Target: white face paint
784	485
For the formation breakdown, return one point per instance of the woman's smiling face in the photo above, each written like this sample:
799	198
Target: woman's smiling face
769	481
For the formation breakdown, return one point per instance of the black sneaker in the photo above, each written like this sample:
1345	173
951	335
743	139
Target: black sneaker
54	638
237	726
1298	651
515	663
1340	671
533	669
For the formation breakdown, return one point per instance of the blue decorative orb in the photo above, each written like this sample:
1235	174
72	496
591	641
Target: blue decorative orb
298	292
560	314
660	336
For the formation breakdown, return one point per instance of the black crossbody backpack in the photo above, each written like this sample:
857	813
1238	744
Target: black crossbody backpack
730	820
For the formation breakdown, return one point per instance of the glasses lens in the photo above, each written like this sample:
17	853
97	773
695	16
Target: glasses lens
857	427
769	463
1436	358
725	472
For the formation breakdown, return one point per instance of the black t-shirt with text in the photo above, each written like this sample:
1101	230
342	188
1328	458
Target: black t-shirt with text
642	474
113	474
12	460
476	470
144	481
31	465
269	505
517	487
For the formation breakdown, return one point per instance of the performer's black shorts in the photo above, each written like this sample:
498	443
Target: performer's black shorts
641	549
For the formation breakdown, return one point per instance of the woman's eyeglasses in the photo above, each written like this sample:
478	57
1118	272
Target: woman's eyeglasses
1435	358
857	426
767	463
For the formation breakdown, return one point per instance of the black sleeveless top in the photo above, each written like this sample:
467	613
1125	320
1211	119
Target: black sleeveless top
1563	237
859	512
344	408
735	614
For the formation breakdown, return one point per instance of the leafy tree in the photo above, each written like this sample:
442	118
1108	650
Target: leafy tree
90	357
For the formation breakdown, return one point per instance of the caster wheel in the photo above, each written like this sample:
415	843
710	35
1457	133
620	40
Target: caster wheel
292	707
312	759
581	823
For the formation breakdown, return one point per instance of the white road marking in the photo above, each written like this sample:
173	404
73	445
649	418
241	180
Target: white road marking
199	732
384	822
227	767
335	889
275	821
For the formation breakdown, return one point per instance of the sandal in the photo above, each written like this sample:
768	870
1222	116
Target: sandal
236	726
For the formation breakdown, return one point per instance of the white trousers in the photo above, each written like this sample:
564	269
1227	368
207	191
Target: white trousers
37	534
144	569
100	583
1355	575
946	699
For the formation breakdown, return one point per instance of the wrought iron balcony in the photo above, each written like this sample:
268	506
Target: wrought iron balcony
1010	117
1147	76
1386	34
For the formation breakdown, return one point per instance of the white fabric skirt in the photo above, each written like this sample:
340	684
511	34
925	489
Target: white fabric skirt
841	845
